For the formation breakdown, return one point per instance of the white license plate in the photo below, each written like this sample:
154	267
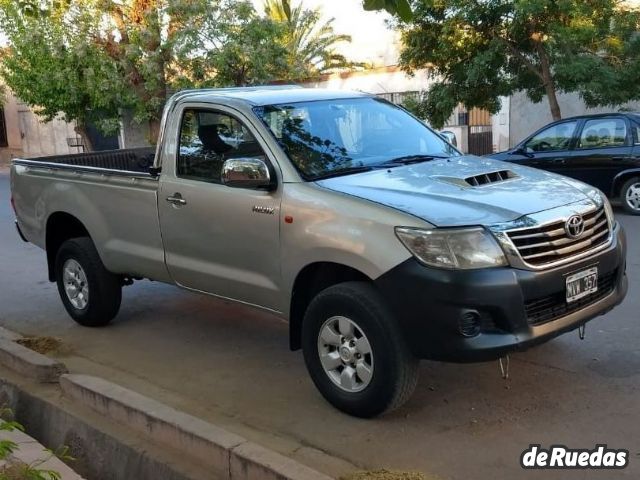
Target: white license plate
581	284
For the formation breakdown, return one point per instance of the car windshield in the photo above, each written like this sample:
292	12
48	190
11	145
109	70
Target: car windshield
333	137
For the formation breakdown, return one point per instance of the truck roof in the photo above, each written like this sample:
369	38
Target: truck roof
269	94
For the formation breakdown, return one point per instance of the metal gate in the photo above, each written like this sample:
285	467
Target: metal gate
480	139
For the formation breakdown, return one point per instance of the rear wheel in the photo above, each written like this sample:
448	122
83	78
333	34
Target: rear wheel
89	292
630	196
354	351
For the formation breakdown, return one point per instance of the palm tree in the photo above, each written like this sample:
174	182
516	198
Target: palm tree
310	43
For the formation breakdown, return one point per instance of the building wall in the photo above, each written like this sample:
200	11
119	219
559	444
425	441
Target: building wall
526	117
28	136
500	126
14	140
132	134
376	81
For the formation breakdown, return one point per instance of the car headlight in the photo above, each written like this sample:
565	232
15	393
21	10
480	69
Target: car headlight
453	248
600	199
609	211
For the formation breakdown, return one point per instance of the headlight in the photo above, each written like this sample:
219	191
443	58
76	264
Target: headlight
600	199
453	248
609	211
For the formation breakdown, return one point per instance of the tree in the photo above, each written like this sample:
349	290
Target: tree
310	44
89	60
401	8
480	50
229	46
49	66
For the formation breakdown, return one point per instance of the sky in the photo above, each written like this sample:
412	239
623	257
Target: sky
372	40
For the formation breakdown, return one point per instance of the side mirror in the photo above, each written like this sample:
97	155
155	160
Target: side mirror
450	137
523	150
246	173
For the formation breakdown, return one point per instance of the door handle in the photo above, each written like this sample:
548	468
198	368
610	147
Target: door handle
559	160
176	199
619	159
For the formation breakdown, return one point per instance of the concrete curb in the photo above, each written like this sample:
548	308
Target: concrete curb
29	363
229	455
31	452
9	335
251	461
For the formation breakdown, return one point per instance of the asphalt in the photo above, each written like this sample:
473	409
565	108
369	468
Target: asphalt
231	365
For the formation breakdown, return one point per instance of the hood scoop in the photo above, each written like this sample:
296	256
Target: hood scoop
479	180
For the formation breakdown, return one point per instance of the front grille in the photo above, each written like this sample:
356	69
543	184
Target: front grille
550	243
545	309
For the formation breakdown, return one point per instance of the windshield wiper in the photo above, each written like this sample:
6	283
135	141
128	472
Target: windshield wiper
343	171
409	159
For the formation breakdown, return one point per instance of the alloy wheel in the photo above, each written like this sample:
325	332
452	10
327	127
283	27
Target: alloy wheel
76	285
632	196
345	354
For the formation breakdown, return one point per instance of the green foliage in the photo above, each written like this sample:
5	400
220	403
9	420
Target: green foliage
226	45
88	60
18	471
402	8
51	67
480	50
310	45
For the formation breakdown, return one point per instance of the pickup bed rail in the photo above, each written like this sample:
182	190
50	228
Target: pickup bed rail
126	161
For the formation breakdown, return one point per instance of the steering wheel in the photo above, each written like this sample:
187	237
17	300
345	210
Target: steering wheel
542	146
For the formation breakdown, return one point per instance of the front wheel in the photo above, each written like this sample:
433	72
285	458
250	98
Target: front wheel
90	293
630	196
354	351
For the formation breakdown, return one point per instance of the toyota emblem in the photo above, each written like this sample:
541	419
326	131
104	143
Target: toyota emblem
574	226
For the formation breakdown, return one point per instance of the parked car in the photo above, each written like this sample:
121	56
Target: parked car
601	150
341	213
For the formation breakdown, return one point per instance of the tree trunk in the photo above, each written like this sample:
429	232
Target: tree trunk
549	85
553	101
154	130
86	141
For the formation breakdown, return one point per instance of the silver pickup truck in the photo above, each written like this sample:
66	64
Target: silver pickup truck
378	241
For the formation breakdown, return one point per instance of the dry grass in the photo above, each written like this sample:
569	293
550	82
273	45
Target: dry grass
43	345
385	475
13	471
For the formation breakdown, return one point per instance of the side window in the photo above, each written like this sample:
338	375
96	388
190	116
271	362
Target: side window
636	128
603	133
556	137
207	139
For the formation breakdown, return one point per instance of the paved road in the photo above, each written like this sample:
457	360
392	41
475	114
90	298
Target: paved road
232	365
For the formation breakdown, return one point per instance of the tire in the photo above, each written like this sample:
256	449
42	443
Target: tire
94	293
392	369
630	196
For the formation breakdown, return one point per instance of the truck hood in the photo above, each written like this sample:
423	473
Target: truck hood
439	191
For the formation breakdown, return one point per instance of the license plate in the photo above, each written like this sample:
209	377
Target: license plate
581	284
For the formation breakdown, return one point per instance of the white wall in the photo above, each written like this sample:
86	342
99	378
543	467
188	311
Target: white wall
527	117
381	80
500	126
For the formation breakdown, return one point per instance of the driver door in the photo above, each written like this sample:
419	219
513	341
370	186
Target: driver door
551	148
219	239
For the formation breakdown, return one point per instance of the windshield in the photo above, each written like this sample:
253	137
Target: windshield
349	135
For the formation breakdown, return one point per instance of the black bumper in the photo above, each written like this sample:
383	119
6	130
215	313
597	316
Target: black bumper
515	309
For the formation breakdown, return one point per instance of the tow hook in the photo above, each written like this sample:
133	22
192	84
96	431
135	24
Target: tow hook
504	366
581	330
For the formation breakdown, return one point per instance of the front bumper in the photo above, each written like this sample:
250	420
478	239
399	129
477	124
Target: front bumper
429	304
